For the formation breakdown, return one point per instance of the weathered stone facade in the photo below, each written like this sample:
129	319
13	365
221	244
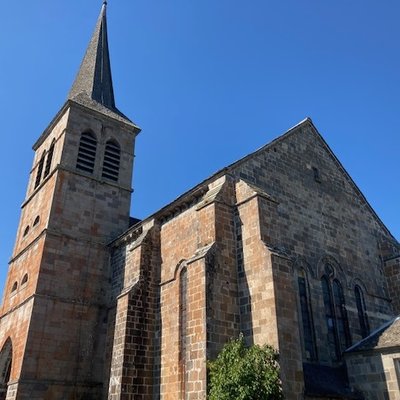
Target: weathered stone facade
374	363
280	246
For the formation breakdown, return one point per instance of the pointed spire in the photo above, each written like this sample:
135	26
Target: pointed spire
94	76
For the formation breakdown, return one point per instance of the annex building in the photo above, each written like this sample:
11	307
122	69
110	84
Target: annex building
281	246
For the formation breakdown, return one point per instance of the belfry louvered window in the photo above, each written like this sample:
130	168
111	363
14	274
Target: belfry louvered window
87	152
112	158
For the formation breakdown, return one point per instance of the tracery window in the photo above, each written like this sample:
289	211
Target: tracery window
112	158
335	315
306	316
87	152
362	312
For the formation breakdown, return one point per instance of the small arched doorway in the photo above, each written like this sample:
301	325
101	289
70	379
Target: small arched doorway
5	367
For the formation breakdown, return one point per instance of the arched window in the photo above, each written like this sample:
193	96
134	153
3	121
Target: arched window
14	287
112	157
24	279
341	316
5	367
306	316
40	170
336	316
87	152
36	221
26	231
362	312
49	159
183	330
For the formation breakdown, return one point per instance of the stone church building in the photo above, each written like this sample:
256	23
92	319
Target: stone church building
281	246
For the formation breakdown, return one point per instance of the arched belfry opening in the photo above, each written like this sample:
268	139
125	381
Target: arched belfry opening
5	367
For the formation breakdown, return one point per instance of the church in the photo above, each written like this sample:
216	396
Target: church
280	246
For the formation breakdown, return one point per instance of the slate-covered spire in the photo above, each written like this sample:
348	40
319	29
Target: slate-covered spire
94	79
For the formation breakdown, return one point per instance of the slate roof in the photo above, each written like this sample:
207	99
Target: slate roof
386	336
93	86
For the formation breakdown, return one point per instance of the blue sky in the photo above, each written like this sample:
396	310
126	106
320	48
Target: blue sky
209	81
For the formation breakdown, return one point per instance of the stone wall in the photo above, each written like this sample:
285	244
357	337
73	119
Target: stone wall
319	216
134	322
392	272
374	374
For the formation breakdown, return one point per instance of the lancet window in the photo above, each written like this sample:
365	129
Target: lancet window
306	316
335	315
49	159
183	329
362	312
40	170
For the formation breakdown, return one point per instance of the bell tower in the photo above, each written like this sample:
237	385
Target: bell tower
54	313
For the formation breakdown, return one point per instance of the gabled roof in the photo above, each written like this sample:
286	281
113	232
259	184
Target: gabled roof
385	337
230	168
308	122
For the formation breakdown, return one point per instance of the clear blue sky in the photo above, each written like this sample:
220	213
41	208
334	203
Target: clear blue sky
209	81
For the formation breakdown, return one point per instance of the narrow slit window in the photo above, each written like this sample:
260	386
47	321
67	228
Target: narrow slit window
112	158
15	286
87	152
26	231
183	325
306	316
49	159
317	176
40	170
37	220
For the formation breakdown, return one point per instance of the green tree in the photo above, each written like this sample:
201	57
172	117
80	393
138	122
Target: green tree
245	373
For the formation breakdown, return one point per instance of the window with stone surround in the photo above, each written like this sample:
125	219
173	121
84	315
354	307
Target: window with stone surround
335	315
182	330
362	312
40	170
112	157
397	368
49	159
87	152
5	364
24	279
306	316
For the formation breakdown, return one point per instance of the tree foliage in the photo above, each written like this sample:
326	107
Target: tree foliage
245	373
